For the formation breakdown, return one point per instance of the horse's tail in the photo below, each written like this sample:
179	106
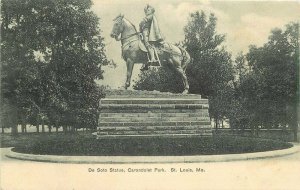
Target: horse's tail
186	58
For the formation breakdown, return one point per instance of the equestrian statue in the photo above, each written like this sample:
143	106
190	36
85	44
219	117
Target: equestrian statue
148	46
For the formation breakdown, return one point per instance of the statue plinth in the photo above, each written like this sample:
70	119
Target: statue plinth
150	115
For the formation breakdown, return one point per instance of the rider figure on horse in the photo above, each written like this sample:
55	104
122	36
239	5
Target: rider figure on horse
151	34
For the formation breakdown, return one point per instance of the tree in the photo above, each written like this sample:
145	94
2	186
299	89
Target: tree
276	66
211	72
212	63
52	52
163	79
244	90
266	83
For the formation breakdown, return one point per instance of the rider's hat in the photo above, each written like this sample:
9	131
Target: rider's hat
149	7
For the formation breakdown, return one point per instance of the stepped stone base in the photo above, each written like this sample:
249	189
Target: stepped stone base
153	116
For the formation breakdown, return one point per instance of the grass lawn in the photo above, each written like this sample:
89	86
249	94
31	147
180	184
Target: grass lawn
85	144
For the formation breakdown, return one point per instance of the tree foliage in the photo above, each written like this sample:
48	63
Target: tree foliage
212	67
268	91
163	79
51	53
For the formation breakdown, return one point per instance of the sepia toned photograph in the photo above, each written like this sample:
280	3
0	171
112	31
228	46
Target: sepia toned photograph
173	94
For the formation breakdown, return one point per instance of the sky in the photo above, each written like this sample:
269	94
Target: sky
244	23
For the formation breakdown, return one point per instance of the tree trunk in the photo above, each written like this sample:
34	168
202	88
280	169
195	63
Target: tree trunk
14	129
43	127
37	125
216	124
50	128
37	128
22	128
64	129
2	129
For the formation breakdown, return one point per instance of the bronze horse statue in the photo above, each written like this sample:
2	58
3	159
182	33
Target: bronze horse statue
133	51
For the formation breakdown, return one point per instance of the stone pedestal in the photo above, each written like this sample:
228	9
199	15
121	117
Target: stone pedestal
157	115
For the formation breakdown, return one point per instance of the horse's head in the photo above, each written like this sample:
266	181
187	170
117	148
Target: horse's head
118	27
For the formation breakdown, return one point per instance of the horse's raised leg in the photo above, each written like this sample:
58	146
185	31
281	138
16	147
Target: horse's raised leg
184	80
129	64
